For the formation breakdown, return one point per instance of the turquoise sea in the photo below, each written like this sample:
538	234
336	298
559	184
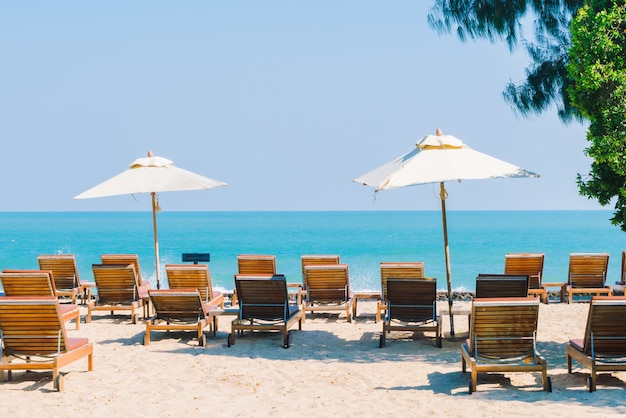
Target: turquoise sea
478	240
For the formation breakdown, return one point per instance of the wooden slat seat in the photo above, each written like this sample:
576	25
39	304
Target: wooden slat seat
501	286
328	289
196	276
603	347
411	306
315	260
398	270
34	338
176	310
142	284
622	276
117	290
37	283
531	265
264	306
256	264
503	339
65	273
587	274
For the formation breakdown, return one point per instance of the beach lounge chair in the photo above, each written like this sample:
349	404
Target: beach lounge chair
587	274
37	283
127	259
177	310
196	276
406	270
34	338
142	285
503	339
117	290
501	286
411	306
530	265
603	347
256	264
622	276
315	260
328	289
66	278
264	306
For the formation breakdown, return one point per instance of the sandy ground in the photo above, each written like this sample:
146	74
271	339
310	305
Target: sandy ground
332	367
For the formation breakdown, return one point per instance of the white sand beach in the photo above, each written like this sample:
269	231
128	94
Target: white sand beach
332	367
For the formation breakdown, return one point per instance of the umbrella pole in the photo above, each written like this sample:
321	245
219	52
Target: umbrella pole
443	195
156	239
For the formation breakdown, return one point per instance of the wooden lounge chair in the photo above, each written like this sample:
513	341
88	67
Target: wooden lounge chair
407	270
587	274
127	259
264	306
142	285
604	346
530	265
196	276
37	283
175	310
328	289
65	272
501	286
411	306
622	276
315	260
256	264
117	290
503	339
33	332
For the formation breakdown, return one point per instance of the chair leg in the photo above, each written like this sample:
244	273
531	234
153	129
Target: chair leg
569	364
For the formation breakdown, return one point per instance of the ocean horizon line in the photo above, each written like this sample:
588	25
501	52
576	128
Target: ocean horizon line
307	210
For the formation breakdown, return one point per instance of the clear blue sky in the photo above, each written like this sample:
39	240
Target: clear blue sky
287	101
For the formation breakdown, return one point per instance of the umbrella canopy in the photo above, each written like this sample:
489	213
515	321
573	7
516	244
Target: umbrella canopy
436	159
151	175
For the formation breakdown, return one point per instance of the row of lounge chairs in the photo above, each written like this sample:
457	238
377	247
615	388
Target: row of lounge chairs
408	302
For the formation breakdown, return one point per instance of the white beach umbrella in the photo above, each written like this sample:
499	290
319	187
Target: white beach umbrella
151	175
436	159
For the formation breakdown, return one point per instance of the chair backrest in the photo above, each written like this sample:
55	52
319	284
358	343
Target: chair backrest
588	270
623	274
411	300
406	270
262	297
27	283
32	326
328	283
501	286
503	328
116	283
606	326
124	259
525	264
177	304
194	276
64	270
316	260
256	264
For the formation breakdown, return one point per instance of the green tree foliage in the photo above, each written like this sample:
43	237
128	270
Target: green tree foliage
546	81
597	70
